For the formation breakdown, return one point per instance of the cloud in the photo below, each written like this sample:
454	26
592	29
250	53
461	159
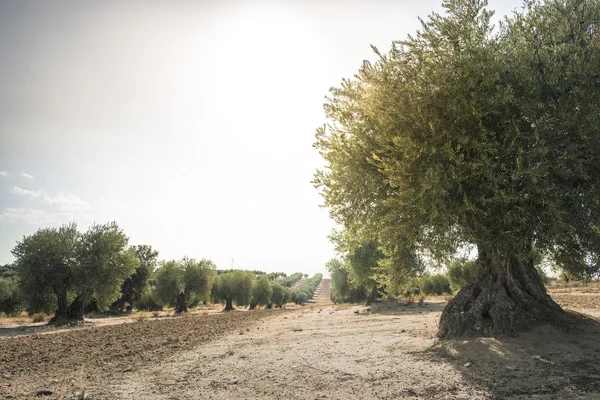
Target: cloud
62	201
66	202
41	217
26	192
26	175
4	174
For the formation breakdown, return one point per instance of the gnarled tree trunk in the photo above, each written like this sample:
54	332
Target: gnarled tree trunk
61	307
228	305
507	297
181	304
74	312
76	308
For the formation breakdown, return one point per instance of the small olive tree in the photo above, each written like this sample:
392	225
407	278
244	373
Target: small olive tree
261	292
177	281
280	295
234	286
136	284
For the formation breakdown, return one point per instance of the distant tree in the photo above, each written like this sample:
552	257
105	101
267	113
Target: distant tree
11	302
8	271
280	295
10	299
435	285
362	257
276	275
148	301
177	281
306	291
340	287
234	286
169	282
136	285
288	281
73	267
461	273
261	292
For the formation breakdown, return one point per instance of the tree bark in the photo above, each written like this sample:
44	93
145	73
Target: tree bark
75	310
61	306
373	296
228	305
507	297
181	303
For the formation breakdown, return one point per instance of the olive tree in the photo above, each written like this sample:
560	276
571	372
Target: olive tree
340	285
136	285
104	261
261	292
462	135
280	295
234	286
177	281
72	267
10	300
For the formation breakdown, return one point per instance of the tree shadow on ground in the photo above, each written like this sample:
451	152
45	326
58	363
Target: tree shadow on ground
546	362
400	307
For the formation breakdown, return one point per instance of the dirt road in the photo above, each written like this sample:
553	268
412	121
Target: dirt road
308	354
387	353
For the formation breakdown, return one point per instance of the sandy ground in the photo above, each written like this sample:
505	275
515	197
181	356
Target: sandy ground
315	353
388	351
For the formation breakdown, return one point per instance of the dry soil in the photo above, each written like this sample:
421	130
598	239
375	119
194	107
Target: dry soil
388	351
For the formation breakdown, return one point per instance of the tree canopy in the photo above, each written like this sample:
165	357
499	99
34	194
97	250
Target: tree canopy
462	134
233	286
136	285
261	292
280	295
177	281
73	267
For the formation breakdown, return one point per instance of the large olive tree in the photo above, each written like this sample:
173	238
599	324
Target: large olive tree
74	267
462	134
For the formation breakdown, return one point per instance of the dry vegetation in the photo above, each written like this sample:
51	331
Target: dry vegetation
386	351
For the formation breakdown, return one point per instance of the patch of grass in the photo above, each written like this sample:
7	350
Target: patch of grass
38	317
140	317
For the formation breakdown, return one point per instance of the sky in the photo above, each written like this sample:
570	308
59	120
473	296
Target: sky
190	123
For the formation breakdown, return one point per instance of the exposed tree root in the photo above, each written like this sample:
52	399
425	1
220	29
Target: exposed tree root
505	299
